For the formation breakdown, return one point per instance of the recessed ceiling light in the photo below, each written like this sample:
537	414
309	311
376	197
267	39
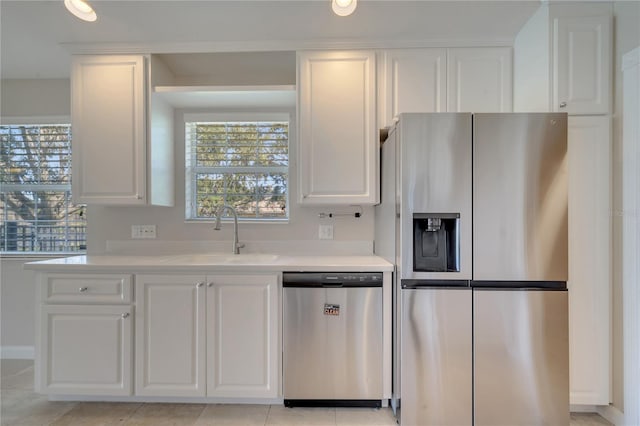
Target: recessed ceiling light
343	7
81	9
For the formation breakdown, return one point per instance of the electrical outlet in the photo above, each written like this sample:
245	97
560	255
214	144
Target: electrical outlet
143	231
325	232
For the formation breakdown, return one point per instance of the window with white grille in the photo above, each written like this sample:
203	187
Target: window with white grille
35	191
243	163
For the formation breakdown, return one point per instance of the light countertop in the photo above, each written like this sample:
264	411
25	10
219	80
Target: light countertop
213	262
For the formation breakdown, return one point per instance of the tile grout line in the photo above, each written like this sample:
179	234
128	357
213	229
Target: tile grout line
266	419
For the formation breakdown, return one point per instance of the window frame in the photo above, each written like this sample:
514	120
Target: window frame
48	120
191	171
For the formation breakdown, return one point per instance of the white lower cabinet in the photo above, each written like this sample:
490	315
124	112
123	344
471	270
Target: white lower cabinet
213	335
170	335
84	334
86	350
242	336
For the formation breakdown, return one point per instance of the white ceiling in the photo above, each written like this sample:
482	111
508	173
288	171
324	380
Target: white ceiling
37	37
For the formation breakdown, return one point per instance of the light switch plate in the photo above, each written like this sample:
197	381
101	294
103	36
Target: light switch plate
143	231
325	232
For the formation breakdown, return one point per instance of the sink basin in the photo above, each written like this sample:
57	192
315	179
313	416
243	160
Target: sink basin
223	259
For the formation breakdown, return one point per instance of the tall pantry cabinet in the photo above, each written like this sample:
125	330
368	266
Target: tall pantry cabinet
562	62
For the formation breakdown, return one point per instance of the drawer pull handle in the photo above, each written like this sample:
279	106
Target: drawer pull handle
200	284
210	285
125	315
563	104
83	289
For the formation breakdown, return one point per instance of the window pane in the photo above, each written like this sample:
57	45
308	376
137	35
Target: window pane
35	195
35	154
273	195
242	164
41	221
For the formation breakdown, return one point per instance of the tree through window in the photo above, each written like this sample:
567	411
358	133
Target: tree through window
35	191
240	163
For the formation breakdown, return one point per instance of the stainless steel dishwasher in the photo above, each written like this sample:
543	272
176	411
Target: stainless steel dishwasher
332	341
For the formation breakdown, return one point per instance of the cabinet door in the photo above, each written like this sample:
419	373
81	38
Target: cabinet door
170	335
589	259
415	81
479	79
242	336
582	62
109	129
86	350
338	139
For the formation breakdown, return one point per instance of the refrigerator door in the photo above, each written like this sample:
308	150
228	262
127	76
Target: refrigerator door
436	365
435	164
520	197
521	357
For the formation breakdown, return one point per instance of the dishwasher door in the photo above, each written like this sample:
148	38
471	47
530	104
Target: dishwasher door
332	344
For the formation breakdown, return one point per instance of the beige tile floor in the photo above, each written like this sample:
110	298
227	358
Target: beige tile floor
21	406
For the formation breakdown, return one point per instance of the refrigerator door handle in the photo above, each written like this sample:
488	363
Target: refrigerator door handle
409	284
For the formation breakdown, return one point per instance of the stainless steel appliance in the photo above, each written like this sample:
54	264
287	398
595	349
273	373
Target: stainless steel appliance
520	305
437	370
482	339
332	340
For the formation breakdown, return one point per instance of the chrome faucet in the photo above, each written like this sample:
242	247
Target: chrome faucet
237	245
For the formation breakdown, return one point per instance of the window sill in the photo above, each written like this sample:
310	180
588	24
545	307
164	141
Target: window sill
242	221
37	255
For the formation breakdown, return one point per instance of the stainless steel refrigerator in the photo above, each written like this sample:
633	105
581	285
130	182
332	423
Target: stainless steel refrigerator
480	246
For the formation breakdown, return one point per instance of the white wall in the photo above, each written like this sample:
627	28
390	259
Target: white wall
24	101
35	98
17	292
531	71
627	37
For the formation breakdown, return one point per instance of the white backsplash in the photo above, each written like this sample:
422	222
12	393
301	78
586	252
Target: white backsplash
283	247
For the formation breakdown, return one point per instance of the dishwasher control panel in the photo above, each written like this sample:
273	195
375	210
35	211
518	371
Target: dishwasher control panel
330	279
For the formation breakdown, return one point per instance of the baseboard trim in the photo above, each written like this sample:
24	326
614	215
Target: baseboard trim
165	399
611	414
17	352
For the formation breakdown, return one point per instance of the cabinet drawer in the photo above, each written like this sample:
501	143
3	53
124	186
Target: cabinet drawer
94	288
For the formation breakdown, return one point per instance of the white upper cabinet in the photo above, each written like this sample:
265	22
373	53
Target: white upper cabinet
582	56
113	163
479	79
563	59
338	138
415	80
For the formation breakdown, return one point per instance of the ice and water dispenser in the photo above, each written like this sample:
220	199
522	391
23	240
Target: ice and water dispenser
436	242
